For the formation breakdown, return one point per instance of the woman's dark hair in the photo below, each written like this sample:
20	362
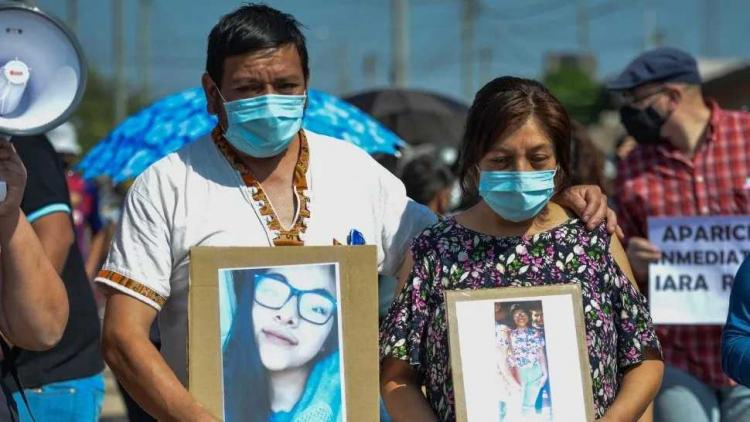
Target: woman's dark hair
500	108
519	308
250	28
246	384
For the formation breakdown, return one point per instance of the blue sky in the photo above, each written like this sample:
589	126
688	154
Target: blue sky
341	33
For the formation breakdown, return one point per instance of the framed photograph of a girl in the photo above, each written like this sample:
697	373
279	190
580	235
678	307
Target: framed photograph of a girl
284	343
519	354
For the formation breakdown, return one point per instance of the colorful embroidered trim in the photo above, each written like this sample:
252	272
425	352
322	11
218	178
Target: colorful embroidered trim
291	237
133	285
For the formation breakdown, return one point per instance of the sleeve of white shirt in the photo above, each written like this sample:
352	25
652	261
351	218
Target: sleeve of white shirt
140	261
403	219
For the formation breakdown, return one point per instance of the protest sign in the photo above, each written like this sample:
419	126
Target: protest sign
700	256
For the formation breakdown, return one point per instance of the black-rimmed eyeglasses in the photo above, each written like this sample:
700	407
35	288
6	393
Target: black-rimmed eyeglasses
273	291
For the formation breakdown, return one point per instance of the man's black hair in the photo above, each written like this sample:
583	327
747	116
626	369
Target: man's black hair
424	176
250	28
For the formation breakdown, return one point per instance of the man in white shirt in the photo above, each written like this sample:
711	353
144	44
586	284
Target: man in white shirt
259	180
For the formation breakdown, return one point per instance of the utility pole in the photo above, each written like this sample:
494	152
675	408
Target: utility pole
582	18
400	41
709	40
344	79
468	21
369	69
144	46
485	65
118	49
649	24
73	16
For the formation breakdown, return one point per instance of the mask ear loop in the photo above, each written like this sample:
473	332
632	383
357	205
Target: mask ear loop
307	103
224	101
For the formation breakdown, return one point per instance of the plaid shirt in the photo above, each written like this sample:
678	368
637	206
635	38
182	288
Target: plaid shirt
659	180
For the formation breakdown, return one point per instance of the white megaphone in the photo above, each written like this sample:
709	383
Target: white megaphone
42	72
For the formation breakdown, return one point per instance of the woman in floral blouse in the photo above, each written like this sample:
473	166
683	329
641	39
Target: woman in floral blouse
514	158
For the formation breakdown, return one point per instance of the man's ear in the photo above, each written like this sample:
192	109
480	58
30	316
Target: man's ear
212	96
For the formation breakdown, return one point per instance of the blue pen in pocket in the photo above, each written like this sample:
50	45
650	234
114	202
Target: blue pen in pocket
355	238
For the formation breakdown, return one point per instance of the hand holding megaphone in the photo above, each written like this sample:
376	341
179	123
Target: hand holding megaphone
13	177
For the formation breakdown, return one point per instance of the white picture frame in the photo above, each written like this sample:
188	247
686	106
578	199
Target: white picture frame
504	370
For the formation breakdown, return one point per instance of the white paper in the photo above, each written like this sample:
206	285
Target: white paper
476	327
700	256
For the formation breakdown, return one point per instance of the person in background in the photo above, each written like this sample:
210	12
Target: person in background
64	383
428	181
691	160
515	157
735	342
84	199
586	160
537	317
624	146
537	321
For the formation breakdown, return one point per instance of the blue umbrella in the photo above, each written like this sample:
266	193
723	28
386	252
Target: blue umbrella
179	119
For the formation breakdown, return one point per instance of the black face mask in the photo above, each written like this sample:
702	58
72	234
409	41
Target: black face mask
643	125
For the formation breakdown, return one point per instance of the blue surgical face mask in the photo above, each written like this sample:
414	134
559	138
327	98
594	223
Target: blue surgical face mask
517	195
263	126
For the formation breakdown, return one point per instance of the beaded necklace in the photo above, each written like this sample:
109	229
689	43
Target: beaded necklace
294	236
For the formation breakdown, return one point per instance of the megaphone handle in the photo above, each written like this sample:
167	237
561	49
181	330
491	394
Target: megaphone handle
3	185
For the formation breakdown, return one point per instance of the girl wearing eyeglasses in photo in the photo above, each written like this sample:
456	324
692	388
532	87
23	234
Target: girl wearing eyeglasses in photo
283	336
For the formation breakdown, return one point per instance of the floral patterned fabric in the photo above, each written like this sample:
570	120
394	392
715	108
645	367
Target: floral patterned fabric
526	343
448	256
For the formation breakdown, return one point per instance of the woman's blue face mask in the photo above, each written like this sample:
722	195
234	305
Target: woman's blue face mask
265	125
517	195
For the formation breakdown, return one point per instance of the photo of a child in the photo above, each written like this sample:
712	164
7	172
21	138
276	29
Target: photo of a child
523	376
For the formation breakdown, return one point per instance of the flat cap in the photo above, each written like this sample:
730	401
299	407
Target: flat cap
664	64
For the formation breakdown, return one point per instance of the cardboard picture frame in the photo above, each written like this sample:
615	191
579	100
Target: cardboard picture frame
474	352
357	321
